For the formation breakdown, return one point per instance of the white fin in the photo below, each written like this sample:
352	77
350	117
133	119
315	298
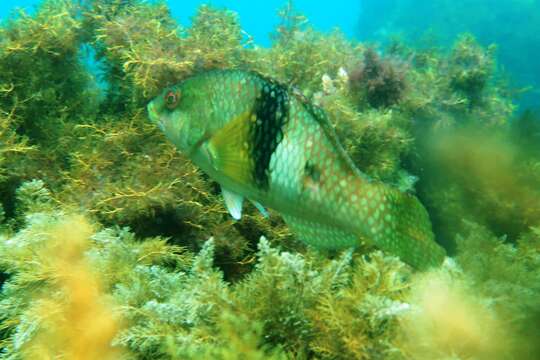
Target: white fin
233	201
261	208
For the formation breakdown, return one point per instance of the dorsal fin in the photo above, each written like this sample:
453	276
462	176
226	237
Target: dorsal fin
322	119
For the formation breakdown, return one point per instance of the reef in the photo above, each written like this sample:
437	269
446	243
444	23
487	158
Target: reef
113	245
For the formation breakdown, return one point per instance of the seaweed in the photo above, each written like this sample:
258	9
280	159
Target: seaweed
142	49
300	55
470	67
507	275
43	79
448	320
382	79
53	304
159	300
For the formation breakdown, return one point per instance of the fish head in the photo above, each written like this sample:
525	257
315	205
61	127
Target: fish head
174	112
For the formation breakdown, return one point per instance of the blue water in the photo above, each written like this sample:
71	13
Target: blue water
258	20
514	25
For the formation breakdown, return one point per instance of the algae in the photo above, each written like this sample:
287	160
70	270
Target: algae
88	184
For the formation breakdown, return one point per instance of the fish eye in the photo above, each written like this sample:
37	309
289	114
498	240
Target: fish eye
171	99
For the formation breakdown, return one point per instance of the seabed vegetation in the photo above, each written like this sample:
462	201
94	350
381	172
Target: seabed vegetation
114	246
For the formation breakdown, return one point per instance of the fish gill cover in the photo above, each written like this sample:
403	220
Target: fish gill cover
113	245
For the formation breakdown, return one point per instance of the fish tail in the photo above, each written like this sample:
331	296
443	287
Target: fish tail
399	224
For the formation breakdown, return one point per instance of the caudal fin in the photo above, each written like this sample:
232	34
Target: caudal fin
399	224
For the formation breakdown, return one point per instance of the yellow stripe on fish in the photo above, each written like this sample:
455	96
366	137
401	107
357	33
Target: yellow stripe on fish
260	142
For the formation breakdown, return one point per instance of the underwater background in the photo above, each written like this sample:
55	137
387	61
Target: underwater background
513	25
113	245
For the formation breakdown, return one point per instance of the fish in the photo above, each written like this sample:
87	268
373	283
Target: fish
261	141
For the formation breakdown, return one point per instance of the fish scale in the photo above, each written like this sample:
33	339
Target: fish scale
260	141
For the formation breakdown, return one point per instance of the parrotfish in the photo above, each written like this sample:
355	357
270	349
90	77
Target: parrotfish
264	142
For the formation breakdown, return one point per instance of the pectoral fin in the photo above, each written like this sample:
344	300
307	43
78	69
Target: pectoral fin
233	201
229	152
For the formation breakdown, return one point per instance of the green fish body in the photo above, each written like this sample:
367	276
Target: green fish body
261	142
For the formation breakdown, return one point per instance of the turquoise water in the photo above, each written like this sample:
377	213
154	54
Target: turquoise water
258	20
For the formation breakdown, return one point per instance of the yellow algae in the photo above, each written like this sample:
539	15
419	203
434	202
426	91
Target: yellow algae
448	320
76	320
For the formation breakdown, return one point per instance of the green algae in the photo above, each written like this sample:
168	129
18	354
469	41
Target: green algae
438	121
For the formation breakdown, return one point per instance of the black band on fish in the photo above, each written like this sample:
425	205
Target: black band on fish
271	115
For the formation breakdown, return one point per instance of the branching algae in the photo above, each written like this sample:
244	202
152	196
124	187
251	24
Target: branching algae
115	246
